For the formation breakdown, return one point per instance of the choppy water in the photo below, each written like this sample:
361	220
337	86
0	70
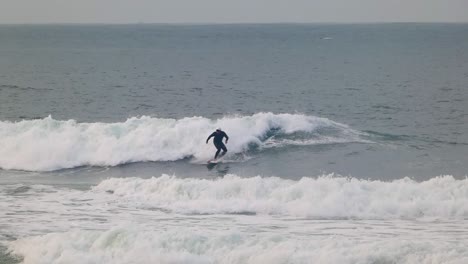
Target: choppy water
348	143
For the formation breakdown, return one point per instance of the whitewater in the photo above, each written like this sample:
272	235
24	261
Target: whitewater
48	144
166	219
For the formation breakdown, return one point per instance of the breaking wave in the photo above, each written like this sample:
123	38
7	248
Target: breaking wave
326	197
241	220
130	245
48	144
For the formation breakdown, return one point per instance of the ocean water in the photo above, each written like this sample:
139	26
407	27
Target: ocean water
348	143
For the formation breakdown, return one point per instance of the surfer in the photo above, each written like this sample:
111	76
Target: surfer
218	142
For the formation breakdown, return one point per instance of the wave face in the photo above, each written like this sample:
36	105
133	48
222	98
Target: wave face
48	144
325	197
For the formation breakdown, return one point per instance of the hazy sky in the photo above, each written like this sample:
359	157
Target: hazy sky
231	11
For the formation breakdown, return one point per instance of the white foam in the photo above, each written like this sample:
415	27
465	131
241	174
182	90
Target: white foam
239	220
325	197
133	245
48	144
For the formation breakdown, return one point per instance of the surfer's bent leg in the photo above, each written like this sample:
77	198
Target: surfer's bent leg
223	147
217	152
218	147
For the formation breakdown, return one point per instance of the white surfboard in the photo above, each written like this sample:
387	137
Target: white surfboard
215	161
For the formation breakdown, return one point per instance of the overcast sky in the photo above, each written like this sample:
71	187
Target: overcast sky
232	11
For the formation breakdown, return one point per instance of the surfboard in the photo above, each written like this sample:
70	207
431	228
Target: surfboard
215	161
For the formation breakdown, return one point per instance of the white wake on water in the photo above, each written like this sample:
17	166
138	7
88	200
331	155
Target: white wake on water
48	144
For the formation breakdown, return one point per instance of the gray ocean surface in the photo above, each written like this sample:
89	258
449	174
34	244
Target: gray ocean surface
405	85
90	111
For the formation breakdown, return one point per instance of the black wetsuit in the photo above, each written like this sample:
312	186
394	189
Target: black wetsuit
218	142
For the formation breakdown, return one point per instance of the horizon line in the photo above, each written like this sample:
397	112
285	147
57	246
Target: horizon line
231	23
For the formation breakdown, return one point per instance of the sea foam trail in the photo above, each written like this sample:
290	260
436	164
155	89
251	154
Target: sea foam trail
325	197
48	144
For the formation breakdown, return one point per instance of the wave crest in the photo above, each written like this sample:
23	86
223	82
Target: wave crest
325	197
132	245
48	144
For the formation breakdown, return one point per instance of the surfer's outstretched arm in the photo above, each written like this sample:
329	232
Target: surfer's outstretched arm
212	135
